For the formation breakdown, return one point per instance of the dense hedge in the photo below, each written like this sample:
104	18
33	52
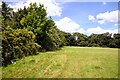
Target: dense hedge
17	44
27	32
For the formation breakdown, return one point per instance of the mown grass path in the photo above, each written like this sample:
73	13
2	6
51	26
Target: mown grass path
69	62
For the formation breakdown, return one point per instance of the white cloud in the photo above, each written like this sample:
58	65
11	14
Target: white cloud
0	2
81	30
67	25
118	25
99	30
17	5
92	18
108	16
104	3
87	0
53	8
101	22
102	18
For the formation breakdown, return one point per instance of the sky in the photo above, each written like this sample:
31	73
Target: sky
79	16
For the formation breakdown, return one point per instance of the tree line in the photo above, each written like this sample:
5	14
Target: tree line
29	31
94	40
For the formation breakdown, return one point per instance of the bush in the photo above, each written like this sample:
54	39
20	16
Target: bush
53	40
83	43
17	44
95	45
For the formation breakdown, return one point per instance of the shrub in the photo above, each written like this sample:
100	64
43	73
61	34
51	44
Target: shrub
17	44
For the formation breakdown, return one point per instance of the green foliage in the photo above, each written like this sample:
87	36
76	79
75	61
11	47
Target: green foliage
71	39
6	15
28	31
83	43
47	34
35	17
94	40
17	44
115	42
54	39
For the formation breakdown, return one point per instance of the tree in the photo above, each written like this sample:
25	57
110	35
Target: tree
17	17
6	15
115	41
47	34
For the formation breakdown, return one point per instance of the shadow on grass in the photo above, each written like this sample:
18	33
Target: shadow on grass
43	51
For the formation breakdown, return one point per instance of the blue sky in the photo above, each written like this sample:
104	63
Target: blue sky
79	12
74	16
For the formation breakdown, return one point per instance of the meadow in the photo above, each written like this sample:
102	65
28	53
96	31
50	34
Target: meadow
67	62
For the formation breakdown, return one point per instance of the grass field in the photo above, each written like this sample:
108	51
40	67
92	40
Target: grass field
69	62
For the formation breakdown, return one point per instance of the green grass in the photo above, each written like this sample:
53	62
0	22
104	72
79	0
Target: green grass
0	73
69	62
